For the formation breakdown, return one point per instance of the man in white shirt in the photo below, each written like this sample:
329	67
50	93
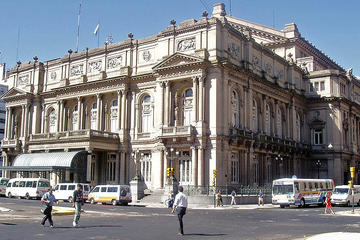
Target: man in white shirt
180	205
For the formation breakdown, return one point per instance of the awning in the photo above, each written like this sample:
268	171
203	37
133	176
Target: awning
49	161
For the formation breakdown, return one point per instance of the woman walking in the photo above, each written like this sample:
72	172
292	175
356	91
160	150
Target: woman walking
328	204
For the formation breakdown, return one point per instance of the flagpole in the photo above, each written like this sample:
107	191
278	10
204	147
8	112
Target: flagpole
99	34
78	29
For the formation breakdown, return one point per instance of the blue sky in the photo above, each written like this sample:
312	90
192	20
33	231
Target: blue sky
48	27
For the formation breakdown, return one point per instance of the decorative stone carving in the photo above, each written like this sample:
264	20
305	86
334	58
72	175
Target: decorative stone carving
113	113
93	115
234	49
268	67
187	103
76	70
95	66
114	62
53	75
146	55
186	45
23	80
255	61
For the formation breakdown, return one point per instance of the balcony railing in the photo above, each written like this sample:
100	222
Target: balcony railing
86	133
178	130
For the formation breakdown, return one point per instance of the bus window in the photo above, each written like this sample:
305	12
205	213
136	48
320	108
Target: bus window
9	185
103	189
4	182
296	185
310	186
63	187
34	184
22	184
29	184
15	184
112	189
57	187
71	187
316	186
305	187
321	186
43	184
95	189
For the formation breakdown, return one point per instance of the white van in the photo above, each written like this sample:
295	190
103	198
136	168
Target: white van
27	187
114	194
3	183
342	195
65	191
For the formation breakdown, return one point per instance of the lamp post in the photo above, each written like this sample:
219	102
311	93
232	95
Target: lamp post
279	159
318	165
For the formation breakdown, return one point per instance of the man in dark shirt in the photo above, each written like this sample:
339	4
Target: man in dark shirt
78	201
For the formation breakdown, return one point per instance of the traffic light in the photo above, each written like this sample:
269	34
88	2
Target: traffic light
214	173
351	185
171	172
213	183
168	172
352	172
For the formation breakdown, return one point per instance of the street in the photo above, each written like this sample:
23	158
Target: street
135	222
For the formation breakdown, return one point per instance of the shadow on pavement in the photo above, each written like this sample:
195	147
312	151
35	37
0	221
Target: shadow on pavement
205	234
95	226
10	224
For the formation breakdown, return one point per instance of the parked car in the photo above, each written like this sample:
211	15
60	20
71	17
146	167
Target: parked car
3	183
64	191
27	187
114	194
342	195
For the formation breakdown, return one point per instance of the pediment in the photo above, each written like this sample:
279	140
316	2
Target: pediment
14	92
177	60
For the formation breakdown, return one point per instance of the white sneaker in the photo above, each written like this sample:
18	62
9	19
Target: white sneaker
77	225
74	224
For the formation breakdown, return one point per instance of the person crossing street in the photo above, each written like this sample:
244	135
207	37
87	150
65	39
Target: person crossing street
48	199
78	202
180	205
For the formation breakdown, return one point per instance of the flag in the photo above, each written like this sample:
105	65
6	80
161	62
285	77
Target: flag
96	29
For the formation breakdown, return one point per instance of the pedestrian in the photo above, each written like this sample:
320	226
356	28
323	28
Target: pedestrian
328	204
233	194
171	199
77	201
261	198
180	205
48	199
219	199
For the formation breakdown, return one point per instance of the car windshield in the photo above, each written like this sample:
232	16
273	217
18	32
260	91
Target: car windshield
283	189
341	190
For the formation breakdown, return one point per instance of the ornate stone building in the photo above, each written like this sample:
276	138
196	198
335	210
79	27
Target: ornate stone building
218	93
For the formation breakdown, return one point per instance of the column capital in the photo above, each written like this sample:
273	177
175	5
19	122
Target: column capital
119	92
79	98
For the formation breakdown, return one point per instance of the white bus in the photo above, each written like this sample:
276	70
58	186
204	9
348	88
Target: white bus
27	187
300	192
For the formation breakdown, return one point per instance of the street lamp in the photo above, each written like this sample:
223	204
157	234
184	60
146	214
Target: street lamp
318	165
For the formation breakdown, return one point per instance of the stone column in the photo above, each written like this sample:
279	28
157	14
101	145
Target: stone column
43	119
117	168
165	160
133	115
276	118
201	99
118	122
167	105
122	168
194	163
7	123
26	120
80	113
264	114
200	166
162	103
22	121
123	109
195	99
61	117
98	121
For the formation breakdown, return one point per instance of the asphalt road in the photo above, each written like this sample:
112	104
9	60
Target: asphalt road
130	222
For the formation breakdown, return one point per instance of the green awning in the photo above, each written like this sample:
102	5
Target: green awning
49	161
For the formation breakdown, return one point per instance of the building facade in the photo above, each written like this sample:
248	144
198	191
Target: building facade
218	93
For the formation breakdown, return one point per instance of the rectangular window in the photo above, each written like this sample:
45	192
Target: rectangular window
311	87
316	86
63	187
234	171
103	189
112	189
322	86
71	187
318	137
2	120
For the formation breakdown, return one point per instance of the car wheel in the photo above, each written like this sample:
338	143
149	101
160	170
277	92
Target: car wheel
9	195
27	196
70	199
114	202
92	201
302	203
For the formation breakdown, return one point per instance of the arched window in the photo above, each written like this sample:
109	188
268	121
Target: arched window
187	108
298	128
255	116
52	121
146	114
93	116
279	123
75	118
267	119
114	115
235	118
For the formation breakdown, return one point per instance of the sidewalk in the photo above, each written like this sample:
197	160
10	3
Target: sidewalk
197	206
335	236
